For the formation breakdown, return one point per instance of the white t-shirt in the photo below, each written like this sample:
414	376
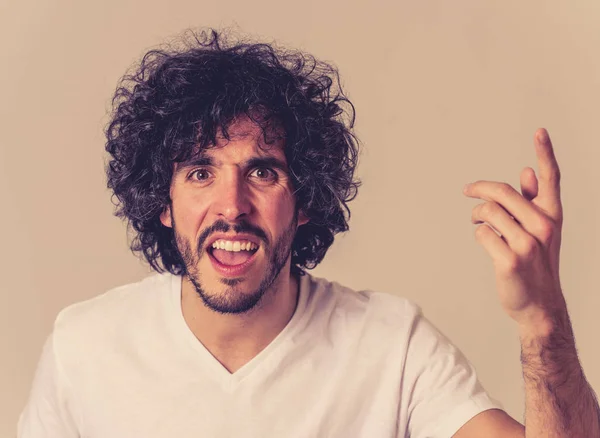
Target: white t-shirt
348	365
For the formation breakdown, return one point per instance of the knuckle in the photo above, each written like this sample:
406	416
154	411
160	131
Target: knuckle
511	264
488	209
529	248
480	231
546	230
504	189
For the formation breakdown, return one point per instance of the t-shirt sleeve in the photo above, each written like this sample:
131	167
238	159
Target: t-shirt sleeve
441	385
50	410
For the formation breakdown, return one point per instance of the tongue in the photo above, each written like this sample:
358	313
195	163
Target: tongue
231	258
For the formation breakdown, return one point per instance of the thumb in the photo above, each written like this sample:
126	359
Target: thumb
529	183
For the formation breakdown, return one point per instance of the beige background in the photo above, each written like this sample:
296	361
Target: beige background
446	93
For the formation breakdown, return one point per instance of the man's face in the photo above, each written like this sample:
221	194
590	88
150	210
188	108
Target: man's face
234	218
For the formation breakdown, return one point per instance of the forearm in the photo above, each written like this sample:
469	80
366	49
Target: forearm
559	402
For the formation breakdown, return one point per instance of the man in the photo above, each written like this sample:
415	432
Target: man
234	166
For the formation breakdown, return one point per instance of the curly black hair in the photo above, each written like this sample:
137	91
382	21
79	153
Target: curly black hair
179	100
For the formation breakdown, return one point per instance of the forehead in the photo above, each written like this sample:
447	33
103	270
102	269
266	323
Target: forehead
246	140
242	128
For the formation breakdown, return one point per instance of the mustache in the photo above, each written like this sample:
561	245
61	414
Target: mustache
221	226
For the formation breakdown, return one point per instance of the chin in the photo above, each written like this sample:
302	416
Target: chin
223	296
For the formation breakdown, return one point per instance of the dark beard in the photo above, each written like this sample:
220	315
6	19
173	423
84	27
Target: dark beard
232	301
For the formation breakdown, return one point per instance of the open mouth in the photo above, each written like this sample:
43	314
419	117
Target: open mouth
232	258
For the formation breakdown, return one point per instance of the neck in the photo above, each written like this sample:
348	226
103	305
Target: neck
235	339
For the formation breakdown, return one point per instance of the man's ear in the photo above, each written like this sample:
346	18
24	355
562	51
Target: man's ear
165	217
302	218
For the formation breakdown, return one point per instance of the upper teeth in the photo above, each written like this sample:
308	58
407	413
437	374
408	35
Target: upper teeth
237	245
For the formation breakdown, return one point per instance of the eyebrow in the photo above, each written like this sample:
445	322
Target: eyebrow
195	162
266	162
251	163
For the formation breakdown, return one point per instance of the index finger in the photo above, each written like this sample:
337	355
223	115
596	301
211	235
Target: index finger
549	172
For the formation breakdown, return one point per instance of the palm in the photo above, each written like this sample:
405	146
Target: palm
515	292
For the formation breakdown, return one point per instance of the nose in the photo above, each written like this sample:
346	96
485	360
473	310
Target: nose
232	199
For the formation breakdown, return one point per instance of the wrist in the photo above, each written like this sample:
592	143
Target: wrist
543	324
548	348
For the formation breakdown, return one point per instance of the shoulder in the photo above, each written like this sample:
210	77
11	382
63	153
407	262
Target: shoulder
112	312
372	310
114	302
365	300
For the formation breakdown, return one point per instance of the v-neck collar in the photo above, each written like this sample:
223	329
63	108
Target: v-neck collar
257	364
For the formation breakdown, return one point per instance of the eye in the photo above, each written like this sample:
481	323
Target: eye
199	175
264	174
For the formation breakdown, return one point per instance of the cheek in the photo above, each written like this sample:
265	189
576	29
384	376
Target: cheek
189	214
278	209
